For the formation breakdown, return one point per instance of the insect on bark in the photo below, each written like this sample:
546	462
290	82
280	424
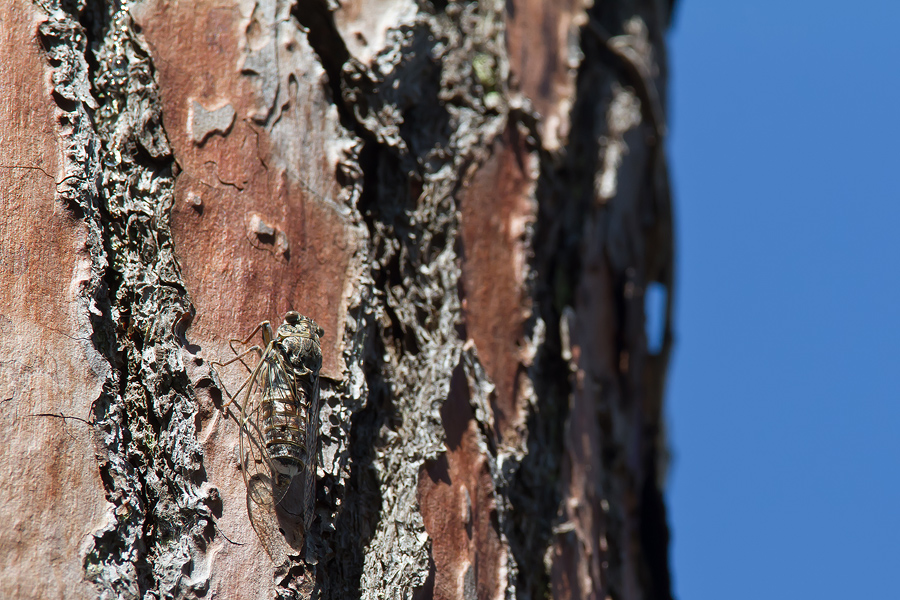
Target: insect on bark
279	421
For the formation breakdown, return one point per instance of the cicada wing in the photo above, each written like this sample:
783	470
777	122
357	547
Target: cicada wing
265	522
280	487
264	485
312	445
299	502
285	423
255	463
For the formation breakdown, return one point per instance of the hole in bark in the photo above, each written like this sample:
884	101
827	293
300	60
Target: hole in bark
655	300
265	238
64	103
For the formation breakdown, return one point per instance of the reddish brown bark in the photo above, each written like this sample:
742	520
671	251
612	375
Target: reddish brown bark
256	220
497	213
52	496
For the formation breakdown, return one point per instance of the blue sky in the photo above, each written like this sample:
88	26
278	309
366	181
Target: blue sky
784	394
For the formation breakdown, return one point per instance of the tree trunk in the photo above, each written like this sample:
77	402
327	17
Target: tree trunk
471	199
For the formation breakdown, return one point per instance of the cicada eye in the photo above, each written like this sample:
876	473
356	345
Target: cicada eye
319	331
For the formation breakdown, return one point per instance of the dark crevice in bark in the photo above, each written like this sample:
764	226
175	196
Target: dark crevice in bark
426	123
327	43
534	492
339	575
362	500
94	21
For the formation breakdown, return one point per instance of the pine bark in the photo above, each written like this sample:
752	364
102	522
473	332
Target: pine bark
470	198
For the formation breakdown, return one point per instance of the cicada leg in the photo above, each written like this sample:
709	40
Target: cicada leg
265	326
267	335
232	398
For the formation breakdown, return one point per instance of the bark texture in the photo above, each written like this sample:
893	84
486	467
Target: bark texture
470	198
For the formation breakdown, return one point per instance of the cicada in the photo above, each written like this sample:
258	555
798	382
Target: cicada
279	415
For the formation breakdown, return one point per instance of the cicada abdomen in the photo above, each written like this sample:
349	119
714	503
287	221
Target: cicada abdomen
280	417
